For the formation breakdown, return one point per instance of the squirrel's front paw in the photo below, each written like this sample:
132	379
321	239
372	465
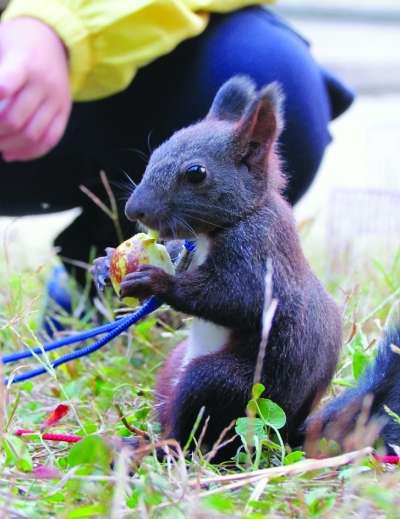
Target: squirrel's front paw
145	282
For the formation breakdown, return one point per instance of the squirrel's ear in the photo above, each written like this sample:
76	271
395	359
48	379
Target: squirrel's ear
261	124
232	99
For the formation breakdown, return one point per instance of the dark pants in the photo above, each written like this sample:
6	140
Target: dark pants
170	93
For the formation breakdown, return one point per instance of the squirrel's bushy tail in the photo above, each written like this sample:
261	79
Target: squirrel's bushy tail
358	415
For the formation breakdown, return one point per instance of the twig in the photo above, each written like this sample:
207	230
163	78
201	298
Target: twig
75	263
13	409
194	429
130	427
96	200
3	426
287	470
385	302
218	444
256	494
121	486
269	310
203	433
113	204
10	512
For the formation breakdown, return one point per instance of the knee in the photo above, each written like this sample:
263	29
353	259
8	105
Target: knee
255	43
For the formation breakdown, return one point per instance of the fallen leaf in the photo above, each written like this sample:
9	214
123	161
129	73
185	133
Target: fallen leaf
55	416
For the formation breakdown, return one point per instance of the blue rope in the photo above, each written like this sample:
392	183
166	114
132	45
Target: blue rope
112	330
149	306
19	355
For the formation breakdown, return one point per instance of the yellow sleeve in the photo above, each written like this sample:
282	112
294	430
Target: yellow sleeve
108	40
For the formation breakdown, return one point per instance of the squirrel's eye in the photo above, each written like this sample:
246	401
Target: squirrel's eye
196	173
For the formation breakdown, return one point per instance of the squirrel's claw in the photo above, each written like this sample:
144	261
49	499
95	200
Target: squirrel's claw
100	270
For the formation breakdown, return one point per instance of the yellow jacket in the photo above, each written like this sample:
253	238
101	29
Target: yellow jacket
108	40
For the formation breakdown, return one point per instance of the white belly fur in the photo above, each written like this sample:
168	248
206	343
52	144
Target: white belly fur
205	337
201	252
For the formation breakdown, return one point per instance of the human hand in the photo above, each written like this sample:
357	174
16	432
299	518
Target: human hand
35	99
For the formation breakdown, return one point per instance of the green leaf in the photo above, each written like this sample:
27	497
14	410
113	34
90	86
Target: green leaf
257	390
247	428
91	450
143	329
153	498
271	413
319	501
360	361
95	510
26	386
328	447
88	428
293	457
58	497
220	502
17	453
133	499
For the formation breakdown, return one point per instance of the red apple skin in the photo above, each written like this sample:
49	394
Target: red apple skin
122	264
124	260
141	249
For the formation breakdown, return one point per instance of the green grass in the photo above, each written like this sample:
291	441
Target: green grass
121	377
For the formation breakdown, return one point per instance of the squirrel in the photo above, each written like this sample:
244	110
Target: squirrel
219	182
360	415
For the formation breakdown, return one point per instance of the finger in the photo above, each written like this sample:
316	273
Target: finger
133	285
135	278
51	137
20	109
146	267
30	134
137	275
13	76
40	122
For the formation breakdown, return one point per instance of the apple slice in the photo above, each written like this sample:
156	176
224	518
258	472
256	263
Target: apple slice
141	249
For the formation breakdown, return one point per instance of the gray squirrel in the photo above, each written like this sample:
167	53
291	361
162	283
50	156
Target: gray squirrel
219	183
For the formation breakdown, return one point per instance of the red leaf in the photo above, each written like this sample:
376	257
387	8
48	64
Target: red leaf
55	416
69	438
58	437
22	432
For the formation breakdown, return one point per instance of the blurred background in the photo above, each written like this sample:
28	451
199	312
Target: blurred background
354	204
352	212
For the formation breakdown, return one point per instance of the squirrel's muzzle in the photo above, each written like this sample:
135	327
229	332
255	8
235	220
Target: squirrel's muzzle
144	206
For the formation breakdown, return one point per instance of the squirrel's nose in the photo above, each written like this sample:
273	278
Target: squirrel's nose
140	205
135	211
137	215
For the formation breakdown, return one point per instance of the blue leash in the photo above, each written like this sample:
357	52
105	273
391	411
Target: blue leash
111	330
